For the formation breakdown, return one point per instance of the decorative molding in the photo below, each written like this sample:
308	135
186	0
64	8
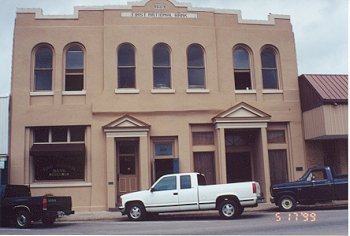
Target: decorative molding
250	91
74	93
44	93
163	91
60	185
272	91
127	91
197	91
39	12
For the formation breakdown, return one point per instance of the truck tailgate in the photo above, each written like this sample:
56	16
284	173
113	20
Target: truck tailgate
59	204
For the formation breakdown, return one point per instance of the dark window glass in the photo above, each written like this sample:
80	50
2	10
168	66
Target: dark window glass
241	58
167	183
59	134
161	66
317	175
74	69
185	182
43	69
269	68
127	165
242	69
127	147
276	136
201	180
41	135
126	66
195	67
61	166
77	134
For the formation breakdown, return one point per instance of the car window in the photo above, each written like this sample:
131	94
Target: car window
316	175
185	181
167	183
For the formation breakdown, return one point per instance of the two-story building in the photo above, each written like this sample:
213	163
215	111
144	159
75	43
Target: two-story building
107	100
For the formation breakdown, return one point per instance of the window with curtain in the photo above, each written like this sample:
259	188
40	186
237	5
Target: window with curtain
161	67
195	66
74	74
43	68
269	68
126	66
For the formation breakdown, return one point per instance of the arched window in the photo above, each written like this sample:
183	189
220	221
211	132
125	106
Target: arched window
242	69
43	68
195	66
74	74
269	68
161	66
126	66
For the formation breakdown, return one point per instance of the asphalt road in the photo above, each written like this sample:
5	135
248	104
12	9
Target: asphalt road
319	222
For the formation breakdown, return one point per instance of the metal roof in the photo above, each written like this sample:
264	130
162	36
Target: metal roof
329	87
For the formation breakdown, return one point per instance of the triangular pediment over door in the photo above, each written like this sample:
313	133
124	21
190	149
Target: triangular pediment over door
242	113
126	123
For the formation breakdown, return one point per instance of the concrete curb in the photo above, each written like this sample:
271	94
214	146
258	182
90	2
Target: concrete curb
266	207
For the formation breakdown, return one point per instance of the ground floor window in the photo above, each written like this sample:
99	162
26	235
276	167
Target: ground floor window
165	156
58	161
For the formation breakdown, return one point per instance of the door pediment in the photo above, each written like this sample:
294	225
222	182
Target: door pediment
126	123
242	113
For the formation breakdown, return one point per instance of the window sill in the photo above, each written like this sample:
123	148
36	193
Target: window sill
127	91
250	91
163	91
44	93
60	185
197	91
272	91
74	93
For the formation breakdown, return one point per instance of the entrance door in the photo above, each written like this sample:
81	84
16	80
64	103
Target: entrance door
278	166
238	167
127	166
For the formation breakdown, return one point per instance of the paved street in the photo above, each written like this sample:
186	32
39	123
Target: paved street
318	222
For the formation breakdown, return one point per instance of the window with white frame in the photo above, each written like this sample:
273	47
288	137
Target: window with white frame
196	67
126	66
74	74
161	66
269	68
43	68
242	72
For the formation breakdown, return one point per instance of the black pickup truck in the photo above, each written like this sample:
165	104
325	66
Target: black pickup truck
316	186
19	208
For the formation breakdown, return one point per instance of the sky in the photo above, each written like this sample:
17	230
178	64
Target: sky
320	28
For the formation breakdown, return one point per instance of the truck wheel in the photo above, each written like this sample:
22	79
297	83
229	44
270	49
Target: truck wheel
136	212
23	219
229	209
48	220
287	203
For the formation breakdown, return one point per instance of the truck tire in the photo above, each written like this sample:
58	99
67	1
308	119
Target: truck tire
287	203
48	220
23	219
136	212
229	209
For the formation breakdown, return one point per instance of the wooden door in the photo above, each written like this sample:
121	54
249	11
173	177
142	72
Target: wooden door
127	167
278	166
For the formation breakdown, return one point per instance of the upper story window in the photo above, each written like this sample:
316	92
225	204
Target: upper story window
269	68
126	66
195	66
74	74
43	68
161	67
242	69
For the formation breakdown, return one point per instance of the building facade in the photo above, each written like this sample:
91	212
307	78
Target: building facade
107	100
324	102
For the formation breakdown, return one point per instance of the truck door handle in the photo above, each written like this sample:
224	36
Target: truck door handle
175	194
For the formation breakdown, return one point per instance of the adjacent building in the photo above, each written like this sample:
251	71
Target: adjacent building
4	138
324	102
107	100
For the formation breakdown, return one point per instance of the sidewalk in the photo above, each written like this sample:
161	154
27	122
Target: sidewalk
117	216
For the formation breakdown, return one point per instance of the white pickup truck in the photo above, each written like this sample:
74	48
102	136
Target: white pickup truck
189	192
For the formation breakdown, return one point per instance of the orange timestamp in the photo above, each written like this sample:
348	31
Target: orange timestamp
296	216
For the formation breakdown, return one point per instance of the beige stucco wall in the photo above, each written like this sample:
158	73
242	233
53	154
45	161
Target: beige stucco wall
101	32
